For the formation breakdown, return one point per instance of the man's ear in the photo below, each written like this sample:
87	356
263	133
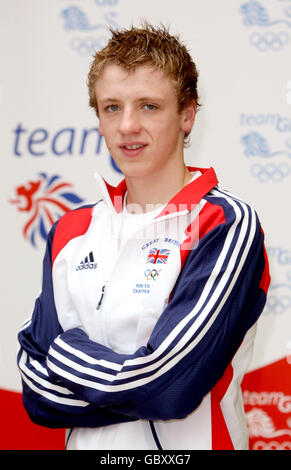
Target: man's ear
188	117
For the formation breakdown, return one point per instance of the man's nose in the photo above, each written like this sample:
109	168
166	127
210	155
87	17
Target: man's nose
129	123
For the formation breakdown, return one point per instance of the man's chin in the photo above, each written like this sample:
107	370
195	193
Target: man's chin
134	169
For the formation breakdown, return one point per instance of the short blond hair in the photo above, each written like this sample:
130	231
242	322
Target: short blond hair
153	46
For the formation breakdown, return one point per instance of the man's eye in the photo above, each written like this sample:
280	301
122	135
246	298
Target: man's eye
112	108
150	107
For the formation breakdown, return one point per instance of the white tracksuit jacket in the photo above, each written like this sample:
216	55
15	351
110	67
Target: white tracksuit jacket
142	343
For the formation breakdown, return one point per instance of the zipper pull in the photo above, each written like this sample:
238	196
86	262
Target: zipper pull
101	298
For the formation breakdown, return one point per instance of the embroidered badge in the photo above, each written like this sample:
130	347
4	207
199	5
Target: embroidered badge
152	274
156	256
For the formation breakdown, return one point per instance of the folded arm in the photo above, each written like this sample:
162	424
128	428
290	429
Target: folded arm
48	401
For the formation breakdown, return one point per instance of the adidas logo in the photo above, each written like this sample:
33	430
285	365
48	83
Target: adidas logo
87	263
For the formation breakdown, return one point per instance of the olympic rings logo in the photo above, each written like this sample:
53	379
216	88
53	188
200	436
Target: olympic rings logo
269	41
151	274
270	172
272	445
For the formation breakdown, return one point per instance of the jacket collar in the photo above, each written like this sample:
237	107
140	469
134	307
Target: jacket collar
185	199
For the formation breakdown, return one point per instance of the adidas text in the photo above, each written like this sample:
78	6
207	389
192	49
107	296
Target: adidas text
86	266
87	263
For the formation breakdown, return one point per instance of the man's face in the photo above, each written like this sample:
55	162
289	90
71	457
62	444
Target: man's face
139	120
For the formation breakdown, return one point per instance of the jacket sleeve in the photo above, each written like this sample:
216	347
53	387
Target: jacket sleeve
47	401
219	295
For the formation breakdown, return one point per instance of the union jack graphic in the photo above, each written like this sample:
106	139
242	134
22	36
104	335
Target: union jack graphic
44	199
156	256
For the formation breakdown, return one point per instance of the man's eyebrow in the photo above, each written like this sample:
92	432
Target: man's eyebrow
141	99
151	98
105	100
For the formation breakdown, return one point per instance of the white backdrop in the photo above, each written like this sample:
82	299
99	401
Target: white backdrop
50	146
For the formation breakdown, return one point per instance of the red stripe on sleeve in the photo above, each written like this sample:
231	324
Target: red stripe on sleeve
266	279
71	225
221	439
210	217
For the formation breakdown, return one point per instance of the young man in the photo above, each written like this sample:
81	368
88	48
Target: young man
147	316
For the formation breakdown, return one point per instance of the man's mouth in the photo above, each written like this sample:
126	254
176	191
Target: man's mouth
133	147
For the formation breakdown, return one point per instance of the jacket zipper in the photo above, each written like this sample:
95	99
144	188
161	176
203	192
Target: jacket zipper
105	286
102	296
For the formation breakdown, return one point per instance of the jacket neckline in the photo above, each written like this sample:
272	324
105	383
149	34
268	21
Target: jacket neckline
189	195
